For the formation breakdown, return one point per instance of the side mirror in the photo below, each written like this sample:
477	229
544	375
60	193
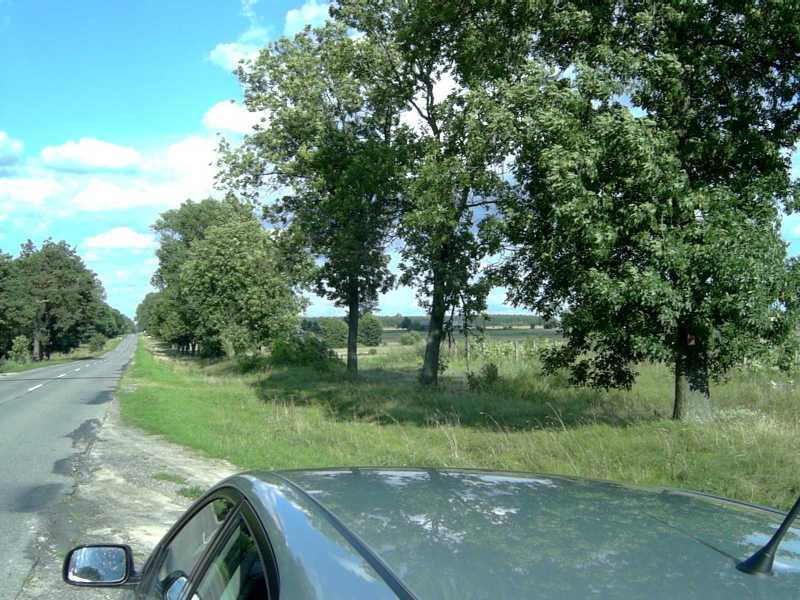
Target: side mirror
107	565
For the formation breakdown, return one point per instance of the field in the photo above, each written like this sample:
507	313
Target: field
266	417
57	358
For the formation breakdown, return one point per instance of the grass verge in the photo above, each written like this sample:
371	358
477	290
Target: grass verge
295	418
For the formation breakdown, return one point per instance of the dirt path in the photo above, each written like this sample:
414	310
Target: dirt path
126	490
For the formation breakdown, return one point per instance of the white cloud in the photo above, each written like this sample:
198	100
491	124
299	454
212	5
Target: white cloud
311	13
120	237
28	190
101	195
231	116
229	55
10	149
90	154
183	170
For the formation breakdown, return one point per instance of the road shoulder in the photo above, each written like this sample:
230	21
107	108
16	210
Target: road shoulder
128	487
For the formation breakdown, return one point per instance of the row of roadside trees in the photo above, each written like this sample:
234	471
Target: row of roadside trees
51	302
622	165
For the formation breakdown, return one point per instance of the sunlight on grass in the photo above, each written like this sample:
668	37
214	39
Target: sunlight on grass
296	417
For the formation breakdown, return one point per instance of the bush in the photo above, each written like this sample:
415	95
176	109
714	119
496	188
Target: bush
410	339
370	331
333	332
373	351
488	376
97	342
20	352
303	350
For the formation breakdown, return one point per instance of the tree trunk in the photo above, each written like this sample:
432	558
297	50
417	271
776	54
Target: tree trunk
430	366
37	348
352	334
692	396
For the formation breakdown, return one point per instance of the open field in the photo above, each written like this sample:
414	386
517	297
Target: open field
56	358
271	418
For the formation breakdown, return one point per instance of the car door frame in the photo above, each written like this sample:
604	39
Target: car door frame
266	555
153	563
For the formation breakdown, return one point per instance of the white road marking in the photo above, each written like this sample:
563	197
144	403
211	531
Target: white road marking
36	387
60	376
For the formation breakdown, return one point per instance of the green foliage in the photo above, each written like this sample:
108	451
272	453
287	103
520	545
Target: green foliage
487	377
410	339
238	289
370	330
333	331
303	350
97	342
446	222
49	296
20	352
169	314
657	224
333	140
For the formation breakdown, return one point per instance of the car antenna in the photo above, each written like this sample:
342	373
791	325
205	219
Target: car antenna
761	562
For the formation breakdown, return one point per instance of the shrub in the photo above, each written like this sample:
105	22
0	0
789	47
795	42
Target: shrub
20	350
370	331
333	332
303	350
485	378
410	339
373	351
97	342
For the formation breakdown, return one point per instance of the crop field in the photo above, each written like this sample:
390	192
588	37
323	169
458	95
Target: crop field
260	416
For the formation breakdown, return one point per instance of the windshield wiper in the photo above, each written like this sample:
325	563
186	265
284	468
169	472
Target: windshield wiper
761	562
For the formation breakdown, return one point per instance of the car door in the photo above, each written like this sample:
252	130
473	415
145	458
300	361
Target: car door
234	569
175	559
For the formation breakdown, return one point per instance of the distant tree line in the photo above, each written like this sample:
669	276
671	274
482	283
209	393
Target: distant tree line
628	162
51	302
227	286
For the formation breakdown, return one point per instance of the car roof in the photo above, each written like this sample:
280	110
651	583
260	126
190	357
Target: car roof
478	534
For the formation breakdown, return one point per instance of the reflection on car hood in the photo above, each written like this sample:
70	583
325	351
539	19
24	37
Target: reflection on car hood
471	534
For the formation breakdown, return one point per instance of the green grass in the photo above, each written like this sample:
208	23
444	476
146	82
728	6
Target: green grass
298	417
172	478
57	358
192	492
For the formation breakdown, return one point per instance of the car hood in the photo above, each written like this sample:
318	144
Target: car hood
472	534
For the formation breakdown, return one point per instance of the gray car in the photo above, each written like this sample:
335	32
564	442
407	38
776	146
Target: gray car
440	534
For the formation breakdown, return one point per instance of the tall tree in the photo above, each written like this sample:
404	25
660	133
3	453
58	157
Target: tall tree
456	173
332	143
56	297
178	229
659	233
241	290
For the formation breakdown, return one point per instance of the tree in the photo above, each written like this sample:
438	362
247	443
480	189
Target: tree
333	331
97	342
407	324
178	230
20	352
660	229
455	176
370	332
241	292
55	297
333	144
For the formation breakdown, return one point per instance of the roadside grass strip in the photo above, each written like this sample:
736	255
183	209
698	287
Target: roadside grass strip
283	418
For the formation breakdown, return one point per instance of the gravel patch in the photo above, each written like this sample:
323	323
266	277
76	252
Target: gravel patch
126	489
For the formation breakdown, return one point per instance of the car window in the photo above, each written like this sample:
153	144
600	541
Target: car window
185	549
236	573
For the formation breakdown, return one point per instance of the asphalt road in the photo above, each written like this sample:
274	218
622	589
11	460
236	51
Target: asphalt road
46	416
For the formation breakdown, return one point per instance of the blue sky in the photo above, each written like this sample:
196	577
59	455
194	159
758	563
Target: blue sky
109	115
